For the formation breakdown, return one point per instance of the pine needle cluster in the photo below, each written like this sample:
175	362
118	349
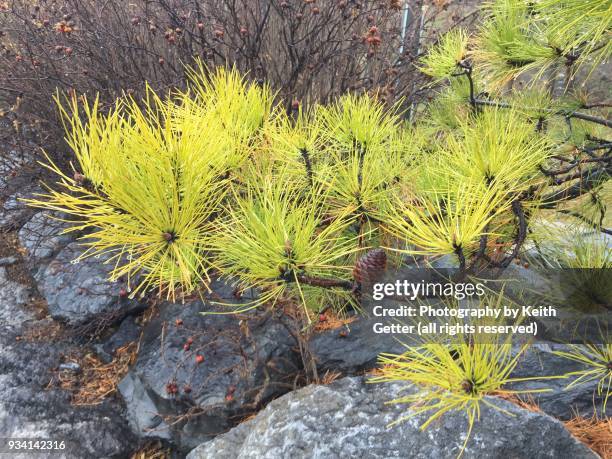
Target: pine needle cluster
455	373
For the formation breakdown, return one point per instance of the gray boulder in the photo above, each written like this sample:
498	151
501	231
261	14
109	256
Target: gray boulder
171	394
349	418
354	348
79	292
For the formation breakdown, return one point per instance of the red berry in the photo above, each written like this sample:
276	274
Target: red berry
295	104
123	292
171	388
200	25
161	61
68	51
322	318
244	31
373	30
187	389
178	322
219	33
190	340
186	347
316	10
229	395
199	359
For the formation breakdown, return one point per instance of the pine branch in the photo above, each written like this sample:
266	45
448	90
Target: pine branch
521	234
568	178
308	165
588	181
585	220
467	71
566	113
325	282
461	257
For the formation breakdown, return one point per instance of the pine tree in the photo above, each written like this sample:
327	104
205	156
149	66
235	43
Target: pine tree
219	177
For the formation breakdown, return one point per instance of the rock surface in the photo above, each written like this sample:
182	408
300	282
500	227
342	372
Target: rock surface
245	363
28	409
560	402
13	296
13	212
355	347
349	418
352	349
78	292
127	332
42	239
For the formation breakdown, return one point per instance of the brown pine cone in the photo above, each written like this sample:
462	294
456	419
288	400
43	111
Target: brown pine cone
370	266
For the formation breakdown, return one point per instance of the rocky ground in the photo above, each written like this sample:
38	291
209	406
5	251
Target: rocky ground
80	361
349	418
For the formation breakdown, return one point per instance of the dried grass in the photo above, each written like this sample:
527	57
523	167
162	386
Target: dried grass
332	321
329	377
525	401
45	330
96	380
152	450
594	432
